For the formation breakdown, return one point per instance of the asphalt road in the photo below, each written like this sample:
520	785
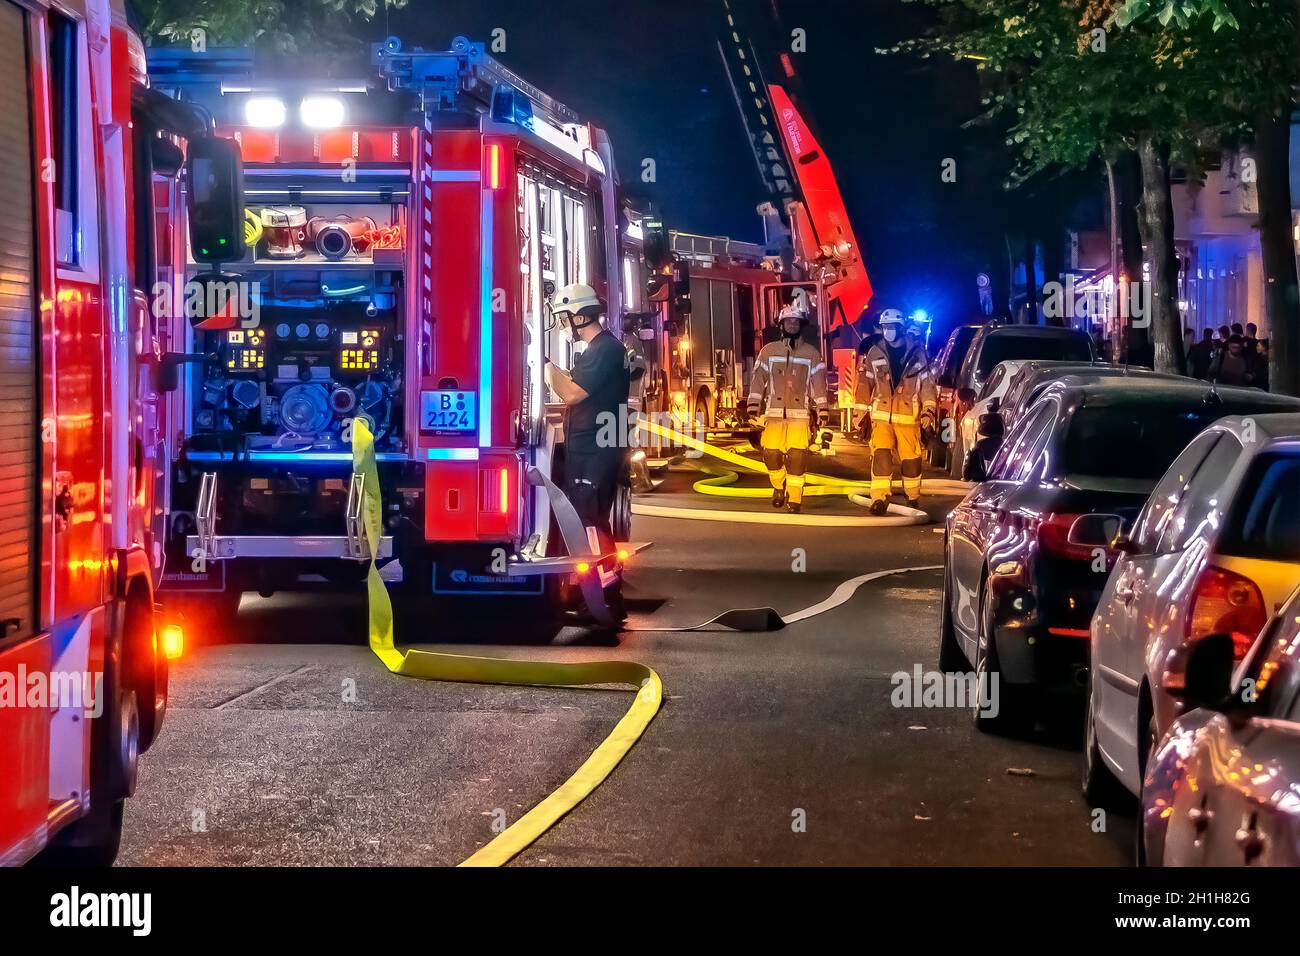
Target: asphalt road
287	742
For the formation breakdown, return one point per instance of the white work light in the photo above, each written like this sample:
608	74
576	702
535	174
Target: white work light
264	111
321	112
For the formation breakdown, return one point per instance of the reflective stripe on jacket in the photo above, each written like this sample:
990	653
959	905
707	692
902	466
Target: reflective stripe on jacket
901	403
788	376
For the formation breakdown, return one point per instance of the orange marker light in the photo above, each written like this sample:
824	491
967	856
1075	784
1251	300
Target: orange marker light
583	567
624	554
505	491
494	166
173	641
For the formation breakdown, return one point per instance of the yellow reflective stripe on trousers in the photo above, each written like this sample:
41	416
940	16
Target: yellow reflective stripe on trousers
818	484
428	665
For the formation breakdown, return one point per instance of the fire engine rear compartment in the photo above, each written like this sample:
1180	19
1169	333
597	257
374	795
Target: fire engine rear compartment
430	325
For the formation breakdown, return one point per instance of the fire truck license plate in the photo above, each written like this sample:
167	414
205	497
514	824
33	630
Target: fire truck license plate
449	412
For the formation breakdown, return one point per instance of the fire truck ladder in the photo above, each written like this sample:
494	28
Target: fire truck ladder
465	76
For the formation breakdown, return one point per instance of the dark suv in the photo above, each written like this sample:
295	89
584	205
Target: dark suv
999	343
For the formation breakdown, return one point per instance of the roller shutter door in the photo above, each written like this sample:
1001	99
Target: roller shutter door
19	439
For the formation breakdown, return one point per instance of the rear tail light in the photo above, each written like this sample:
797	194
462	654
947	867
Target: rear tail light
1054	538
495	490
1224	602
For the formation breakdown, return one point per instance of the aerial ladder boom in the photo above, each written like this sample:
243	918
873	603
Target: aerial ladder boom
796	175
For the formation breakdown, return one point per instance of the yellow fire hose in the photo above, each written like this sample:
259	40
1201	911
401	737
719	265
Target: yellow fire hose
719	484
428	665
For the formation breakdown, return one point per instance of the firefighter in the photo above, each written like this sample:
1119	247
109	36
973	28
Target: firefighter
792	374
897	396
593	393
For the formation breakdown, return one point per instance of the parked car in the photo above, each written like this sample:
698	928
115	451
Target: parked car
988	401
1215	549
1029	382
945	368
1000	343
1221	788
1019	591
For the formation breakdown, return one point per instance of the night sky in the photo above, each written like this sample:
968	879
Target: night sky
649	72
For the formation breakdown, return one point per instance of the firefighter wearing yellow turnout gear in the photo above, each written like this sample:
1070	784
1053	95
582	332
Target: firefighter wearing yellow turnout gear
896	390
791	375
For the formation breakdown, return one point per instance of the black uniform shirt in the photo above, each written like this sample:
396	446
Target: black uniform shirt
601	371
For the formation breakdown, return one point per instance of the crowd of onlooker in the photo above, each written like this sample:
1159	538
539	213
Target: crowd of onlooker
1230	355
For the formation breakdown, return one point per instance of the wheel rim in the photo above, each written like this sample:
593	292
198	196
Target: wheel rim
129	741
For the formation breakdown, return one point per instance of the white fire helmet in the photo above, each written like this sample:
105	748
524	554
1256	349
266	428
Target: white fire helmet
891	324
792	319
579	302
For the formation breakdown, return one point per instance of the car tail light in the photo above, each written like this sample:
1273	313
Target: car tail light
1054	538
1224	602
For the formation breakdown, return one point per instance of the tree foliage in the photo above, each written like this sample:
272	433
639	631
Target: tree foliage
1074	86
279	26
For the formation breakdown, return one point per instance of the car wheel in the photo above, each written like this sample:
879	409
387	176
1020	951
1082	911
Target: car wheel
1000	708
1140	830
1100	786
951	657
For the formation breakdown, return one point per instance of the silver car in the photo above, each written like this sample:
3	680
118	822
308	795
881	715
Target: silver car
1215	549
1223	789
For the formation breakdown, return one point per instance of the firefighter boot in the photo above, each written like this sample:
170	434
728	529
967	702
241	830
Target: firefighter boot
879	506
796	465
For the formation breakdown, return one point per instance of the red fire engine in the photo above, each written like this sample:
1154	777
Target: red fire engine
83	672
715	298
404	237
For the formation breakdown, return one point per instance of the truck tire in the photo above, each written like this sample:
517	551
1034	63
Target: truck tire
621	516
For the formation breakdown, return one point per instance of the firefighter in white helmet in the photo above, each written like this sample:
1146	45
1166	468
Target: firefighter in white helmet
896	393
593	393
791	374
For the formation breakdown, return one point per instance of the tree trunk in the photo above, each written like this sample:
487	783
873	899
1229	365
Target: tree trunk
1156	222
1129	180
1281	296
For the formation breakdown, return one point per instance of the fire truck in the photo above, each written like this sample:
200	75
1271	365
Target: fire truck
404	235
83	667
716	299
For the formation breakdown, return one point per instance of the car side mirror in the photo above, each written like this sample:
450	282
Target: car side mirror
990	426
1124	545
1201	675
215	199
1096	530
973	468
